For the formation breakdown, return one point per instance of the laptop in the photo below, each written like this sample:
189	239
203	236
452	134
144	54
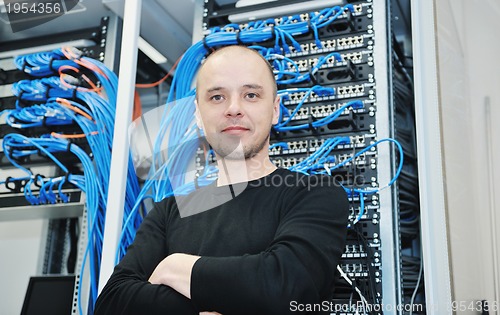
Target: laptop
49	295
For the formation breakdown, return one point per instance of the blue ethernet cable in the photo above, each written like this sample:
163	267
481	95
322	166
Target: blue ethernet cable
286	76
283	145
317	89
36	116
320	155
44	63
98	131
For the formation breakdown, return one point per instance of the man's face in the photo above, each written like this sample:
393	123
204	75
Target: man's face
236	103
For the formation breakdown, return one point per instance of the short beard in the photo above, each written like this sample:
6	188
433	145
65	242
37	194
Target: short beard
237	154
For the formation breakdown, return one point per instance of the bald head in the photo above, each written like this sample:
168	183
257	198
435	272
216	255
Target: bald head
223	56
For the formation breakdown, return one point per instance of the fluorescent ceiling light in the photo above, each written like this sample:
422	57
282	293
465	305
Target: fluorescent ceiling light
150	51
31	50
306	6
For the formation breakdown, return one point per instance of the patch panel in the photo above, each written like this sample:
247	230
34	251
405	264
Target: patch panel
302	64
355	213
341	92
18	199
311	145
358	140
316	143
348	123
331	71
304	17
286	162
355	270
331	61
323	110
354	251
359	160
360	163
299	146
302	113
307	63
353	246
325	44
353	56
275	151
335	42
289	162
350	42
351	90
298	96
40	159
358	20
362	177
370	213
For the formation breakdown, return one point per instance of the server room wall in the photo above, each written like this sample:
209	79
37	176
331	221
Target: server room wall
468	76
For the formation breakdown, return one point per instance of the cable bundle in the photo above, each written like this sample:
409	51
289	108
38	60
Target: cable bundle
80	91
47	114
288	72
43	64
319	91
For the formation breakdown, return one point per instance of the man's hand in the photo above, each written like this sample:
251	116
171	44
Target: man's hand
175	271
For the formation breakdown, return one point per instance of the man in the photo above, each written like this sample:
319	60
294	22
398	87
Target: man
271	238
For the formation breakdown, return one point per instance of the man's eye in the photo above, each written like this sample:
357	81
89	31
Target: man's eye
216	98
251	95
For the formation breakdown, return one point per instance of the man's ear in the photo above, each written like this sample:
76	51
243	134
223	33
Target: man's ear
276	110
197	115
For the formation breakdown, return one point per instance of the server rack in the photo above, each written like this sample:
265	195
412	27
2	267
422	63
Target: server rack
378	255
66	228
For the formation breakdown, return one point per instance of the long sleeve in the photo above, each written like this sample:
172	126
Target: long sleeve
128	291
299	265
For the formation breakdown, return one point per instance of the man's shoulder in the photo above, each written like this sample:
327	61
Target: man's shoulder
316	193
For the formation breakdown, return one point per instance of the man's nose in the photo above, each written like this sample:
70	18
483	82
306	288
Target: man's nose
234	108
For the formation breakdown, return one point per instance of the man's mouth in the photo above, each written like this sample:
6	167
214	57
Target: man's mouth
234	130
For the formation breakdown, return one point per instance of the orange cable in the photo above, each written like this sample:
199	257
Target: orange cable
150	85
69	86
69	55
75	136
137	111
67	104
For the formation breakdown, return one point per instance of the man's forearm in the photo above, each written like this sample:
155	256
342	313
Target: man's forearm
175	271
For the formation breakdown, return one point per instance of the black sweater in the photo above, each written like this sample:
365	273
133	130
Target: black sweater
278	240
